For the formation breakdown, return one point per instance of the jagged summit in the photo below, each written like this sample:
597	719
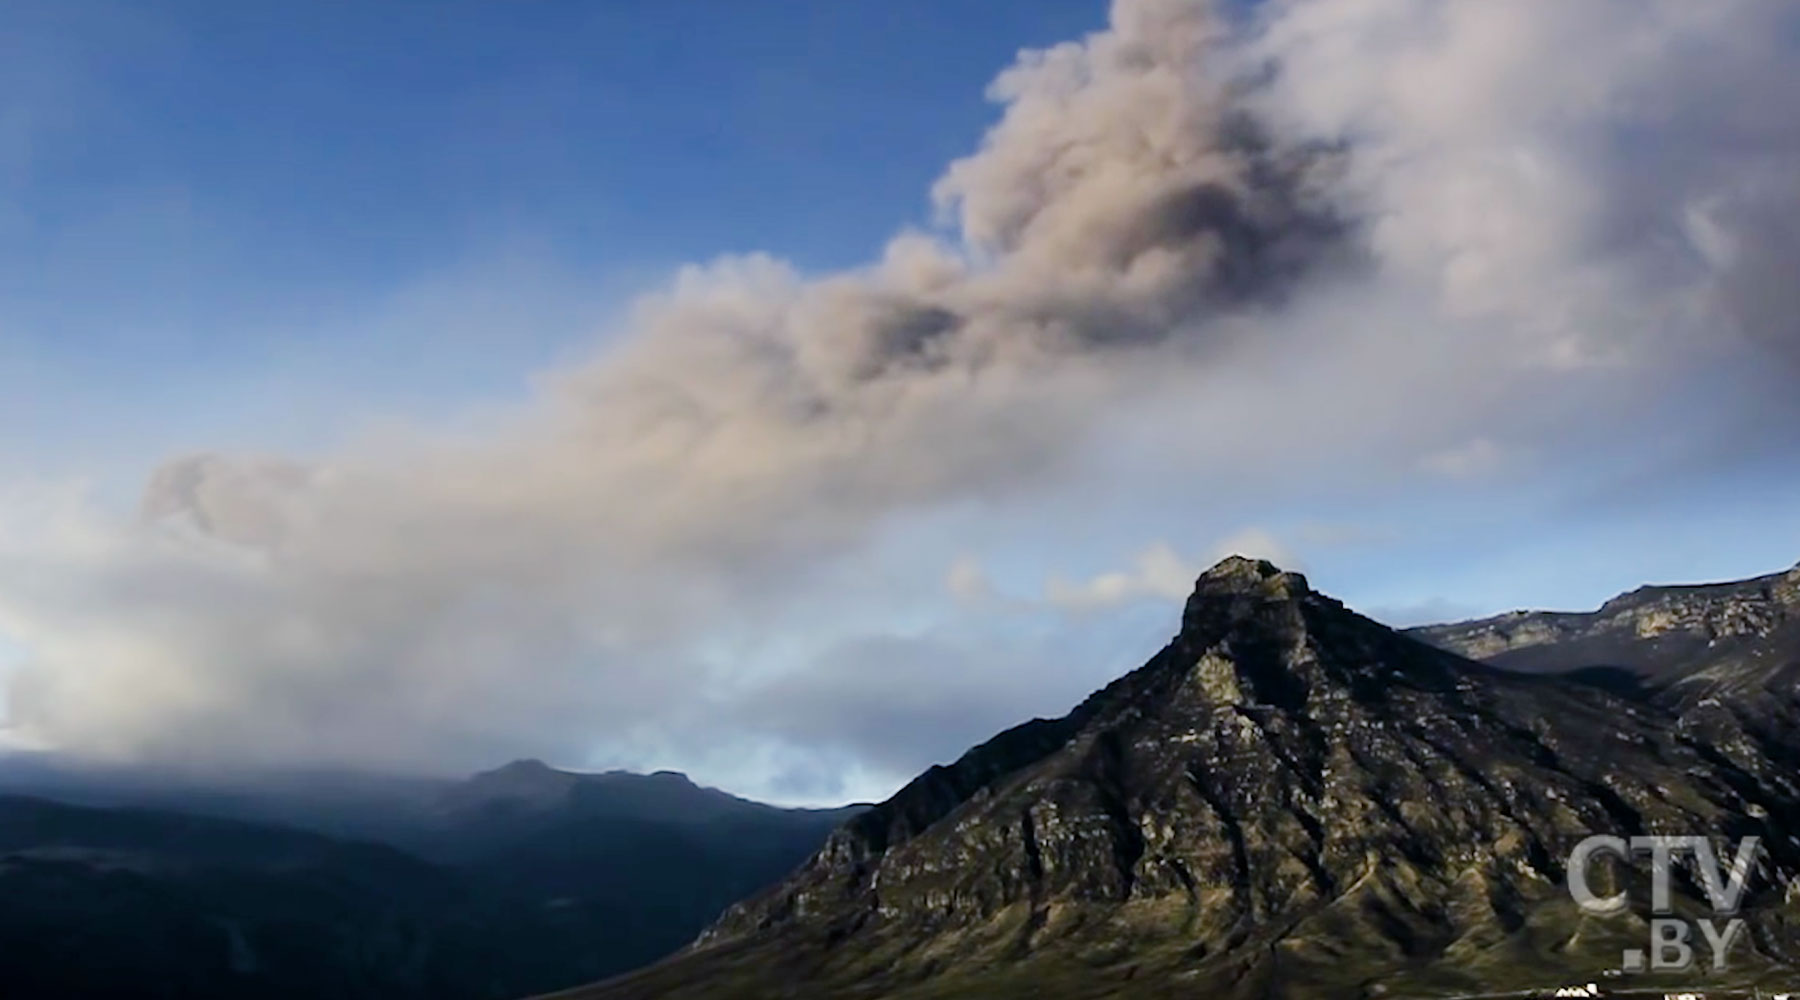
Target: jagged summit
1242	590
1243	574
1239	588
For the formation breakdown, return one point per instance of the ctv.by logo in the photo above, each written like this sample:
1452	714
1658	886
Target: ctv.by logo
1670	947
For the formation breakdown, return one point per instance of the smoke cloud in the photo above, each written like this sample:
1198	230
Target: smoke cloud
1331	241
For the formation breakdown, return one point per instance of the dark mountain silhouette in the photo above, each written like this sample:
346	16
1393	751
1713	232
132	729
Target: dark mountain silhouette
1290	800
519	880
634	864
139	903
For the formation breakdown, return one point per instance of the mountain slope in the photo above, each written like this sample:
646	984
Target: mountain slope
1288	800
1658	634
635	865
1723	658
521	879
139	903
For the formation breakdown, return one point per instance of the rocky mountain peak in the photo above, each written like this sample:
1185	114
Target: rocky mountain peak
1240	590
1240	575
1290	800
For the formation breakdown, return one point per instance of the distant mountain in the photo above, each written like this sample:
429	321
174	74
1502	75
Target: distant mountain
1723	658
131	903
526	792
343	803
1290	800
1660	636
636	864
518	880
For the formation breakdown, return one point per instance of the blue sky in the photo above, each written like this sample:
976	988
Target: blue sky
243	218
384	267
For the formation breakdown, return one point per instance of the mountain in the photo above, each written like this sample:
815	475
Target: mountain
636	865
134	903
1658	636
528	792
1289	800
517	880
348	804
1723	658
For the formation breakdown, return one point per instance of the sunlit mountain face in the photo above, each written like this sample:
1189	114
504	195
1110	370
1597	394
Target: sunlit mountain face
1289	800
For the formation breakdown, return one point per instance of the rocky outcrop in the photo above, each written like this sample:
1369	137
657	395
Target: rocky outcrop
1288	800
1657	633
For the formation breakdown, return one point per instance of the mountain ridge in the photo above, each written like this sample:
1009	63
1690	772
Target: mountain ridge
574	875
132	902
1289	799
1654	631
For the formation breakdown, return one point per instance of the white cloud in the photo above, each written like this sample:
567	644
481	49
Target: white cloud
968	581
1159	572
1476	459
1439	235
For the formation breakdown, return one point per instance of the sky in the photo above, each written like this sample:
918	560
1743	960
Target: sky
796	394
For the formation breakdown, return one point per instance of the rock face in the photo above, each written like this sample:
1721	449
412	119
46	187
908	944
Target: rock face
1722	659
1681	646
1659	634
1287	800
